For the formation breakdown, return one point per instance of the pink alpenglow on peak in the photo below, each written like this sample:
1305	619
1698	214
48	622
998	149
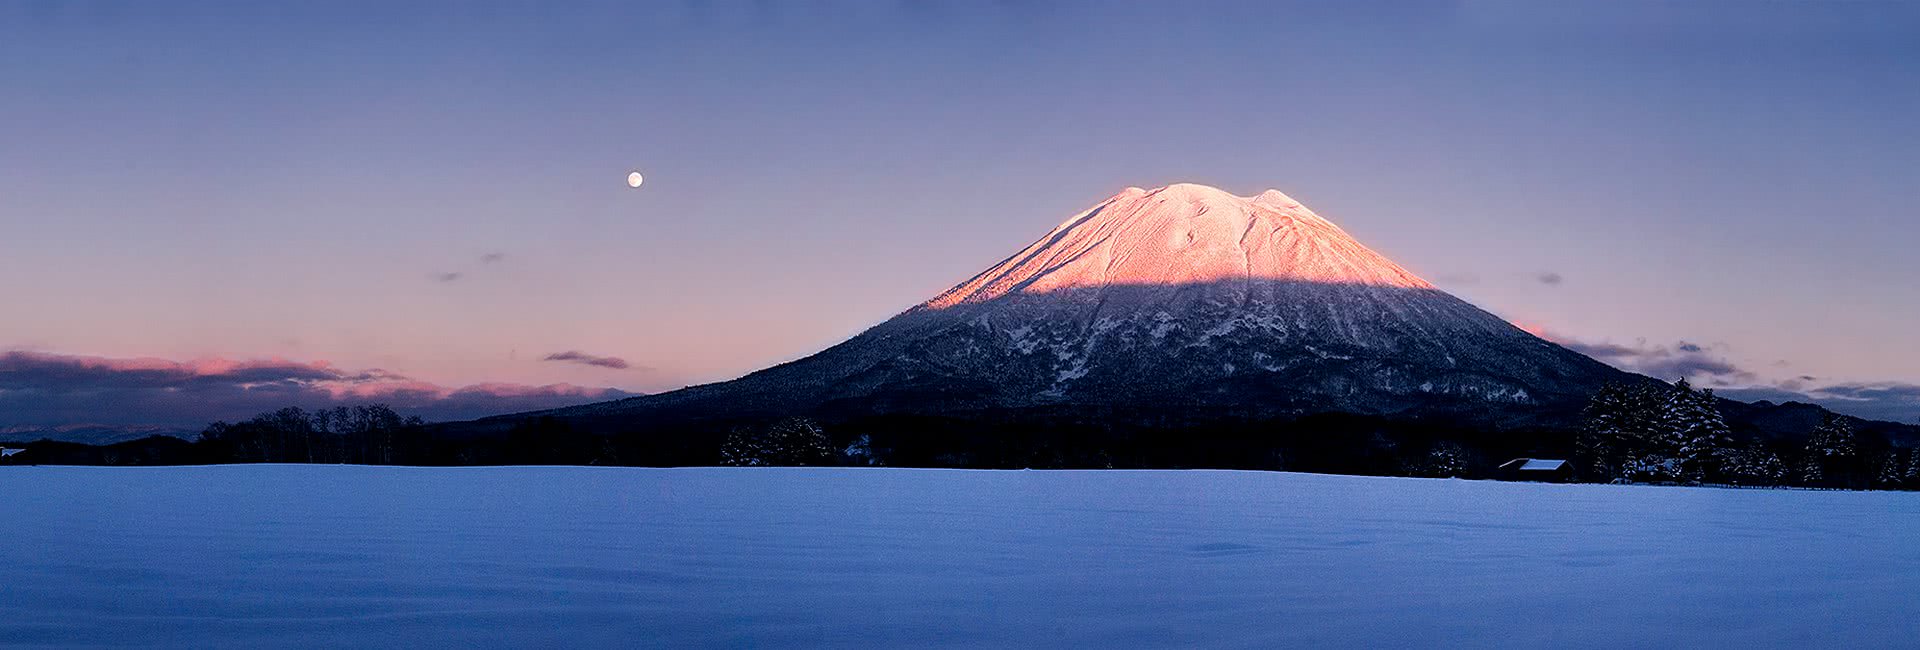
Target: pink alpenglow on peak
1186	234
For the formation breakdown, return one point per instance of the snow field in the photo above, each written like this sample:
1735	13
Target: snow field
331	556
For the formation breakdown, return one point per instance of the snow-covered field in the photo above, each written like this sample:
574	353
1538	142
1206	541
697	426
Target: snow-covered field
328	556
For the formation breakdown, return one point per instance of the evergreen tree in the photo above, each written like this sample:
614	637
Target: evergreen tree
1891	471
802	442
1627	432
1772	469
1648	422
1673	418
1445	460
787	443
1603	433
1754	465
1694	418
1832	452
744	448
1810	473
1654	468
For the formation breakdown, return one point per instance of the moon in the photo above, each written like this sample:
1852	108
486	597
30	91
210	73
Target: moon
634	179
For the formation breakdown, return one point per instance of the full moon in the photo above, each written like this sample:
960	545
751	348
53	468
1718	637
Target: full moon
633	179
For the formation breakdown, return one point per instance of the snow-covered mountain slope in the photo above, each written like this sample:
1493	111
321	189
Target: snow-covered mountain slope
1183	296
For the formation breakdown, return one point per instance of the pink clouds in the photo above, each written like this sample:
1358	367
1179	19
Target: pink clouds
197	367
1680	360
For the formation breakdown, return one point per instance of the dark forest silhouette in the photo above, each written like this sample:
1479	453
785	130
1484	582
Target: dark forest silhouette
1643	433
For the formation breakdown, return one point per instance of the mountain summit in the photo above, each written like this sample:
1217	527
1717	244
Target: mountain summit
1186	234
1182	297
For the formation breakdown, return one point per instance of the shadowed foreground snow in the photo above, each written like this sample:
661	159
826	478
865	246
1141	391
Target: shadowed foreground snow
366	556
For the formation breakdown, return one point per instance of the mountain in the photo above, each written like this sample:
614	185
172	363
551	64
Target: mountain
91	434
1181	298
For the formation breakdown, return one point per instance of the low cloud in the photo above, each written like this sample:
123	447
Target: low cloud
1683	359
56	389
1890	401
493	257
1872	392
1601	351
576	356
1797	383
1693	365
450	276
1549	278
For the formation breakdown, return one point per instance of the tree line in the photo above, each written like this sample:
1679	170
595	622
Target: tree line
1649	432
1656	433
371	434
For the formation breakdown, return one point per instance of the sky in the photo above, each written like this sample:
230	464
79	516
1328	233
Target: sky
208	209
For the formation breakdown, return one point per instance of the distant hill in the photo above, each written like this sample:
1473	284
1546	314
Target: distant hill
1792	420
91	434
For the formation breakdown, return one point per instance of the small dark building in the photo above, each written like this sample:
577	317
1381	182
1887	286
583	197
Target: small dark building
1544	470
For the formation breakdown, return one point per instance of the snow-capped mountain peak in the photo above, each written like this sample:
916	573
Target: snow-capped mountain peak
1177	297
1186	234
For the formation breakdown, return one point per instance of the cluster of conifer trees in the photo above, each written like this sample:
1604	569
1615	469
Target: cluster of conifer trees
1655	433
792	442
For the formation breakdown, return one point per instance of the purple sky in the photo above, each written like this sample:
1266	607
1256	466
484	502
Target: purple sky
429	201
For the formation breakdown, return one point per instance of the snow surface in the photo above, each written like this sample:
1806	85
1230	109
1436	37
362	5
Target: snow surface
327	556
1533	464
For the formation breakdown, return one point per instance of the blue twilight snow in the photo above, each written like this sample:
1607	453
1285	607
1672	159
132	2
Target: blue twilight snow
333	556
